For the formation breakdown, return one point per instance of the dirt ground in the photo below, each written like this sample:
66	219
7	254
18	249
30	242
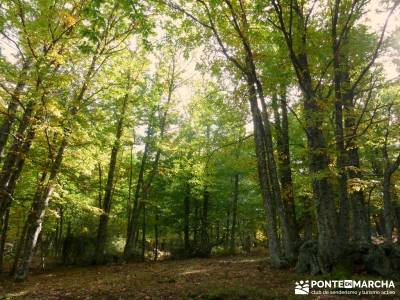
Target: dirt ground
237	277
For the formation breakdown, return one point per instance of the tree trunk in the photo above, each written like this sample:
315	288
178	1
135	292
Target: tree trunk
284	162
319	170
100	196
359	214
234	212
40	202
287	232
3	238
346	147
134	215
144	233
228	228
196	224
19	249
15	160
204	247
314	114
129	200
106	205
269	201
186	224
5	128
387	207
156	233
322	188
58	244
344	205
269	182
143	187
66	244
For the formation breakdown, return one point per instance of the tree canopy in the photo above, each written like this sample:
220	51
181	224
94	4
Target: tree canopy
138	130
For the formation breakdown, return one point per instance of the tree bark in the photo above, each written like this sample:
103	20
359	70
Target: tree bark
314	114
19	249
196	224
134	215
3	238
186	223
156	234
389	167
322	187
15	160
143	187
106	205
5	128
130	178
58	244
143	232
346	146
234	212
344	205
269	201
388	211
227	234
284	162
35	219
387	207
359	214
204	247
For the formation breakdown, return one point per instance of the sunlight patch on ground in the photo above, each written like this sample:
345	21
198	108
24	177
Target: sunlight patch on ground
240	261
17	294
194	272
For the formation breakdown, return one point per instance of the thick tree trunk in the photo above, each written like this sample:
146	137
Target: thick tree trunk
106	205
9	187
268	199
359	214
255	88
284	162
320	173
314	114
287	236
347	150
44	190
15	160
344	205
322	187
35	219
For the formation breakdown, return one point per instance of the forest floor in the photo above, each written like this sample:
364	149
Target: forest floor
239	277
